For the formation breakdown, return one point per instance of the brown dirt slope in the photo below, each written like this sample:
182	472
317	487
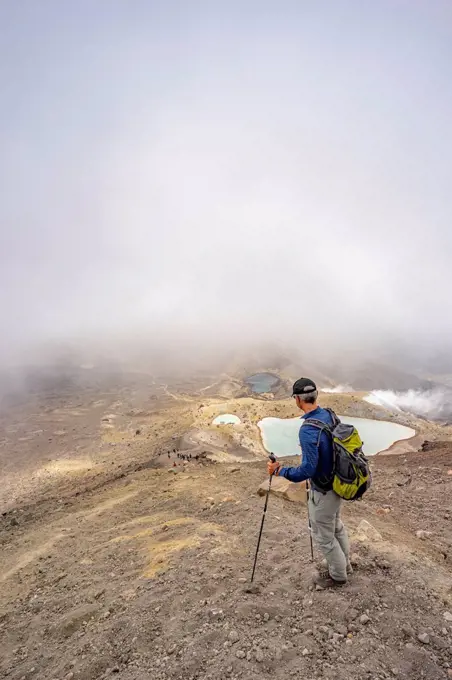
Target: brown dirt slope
143	577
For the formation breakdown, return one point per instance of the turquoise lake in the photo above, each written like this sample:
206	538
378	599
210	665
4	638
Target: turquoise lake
280	436
262	382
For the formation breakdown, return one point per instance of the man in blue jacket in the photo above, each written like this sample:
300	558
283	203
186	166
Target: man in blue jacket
324	504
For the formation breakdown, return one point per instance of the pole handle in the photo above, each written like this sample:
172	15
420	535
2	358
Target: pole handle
273	460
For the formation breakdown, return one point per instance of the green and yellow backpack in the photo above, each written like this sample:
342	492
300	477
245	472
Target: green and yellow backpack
351	472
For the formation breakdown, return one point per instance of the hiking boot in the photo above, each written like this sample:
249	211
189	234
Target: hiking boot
324	567
323	580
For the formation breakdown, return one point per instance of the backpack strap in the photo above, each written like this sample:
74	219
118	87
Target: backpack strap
320	425
336	420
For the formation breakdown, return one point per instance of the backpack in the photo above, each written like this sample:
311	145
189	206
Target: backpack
351	472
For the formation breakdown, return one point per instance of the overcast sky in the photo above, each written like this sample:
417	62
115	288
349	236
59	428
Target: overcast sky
282	168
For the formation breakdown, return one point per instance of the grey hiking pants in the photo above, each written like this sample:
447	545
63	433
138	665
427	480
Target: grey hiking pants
329	532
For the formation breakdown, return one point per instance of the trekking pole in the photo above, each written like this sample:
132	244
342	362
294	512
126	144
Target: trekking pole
273	460
309	520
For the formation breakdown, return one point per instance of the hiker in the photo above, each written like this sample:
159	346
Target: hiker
324	505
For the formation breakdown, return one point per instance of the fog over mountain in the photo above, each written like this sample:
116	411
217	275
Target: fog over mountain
198	177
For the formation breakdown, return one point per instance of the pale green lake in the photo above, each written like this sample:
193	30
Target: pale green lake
280	436
226	419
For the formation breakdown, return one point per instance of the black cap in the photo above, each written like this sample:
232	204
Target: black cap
303	386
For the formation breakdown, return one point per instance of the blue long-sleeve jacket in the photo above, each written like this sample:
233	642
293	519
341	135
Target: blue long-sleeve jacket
316	452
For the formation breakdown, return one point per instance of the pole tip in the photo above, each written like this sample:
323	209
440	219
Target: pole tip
253	589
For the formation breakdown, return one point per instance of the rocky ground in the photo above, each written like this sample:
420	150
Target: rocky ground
132	568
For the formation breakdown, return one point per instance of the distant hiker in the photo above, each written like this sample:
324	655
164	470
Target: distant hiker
190	456
174	464
324	505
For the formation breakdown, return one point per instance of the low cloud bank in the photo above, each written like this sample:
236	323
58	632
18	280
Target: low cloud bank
433	404
338	389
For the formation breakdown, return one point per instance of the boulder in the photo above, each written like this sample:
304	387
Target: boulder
76	618
422	534
290	491
366	532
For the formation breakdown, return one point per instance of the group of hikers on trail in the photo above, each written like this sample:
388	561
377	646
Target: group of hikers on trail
183	456
334	465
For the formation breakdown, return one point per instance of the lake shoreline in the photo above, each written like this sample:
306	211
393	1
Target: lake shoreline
378	433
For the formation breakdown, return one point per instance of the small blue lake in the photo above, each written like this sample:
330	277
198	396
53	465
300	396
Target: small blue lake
262	382
280	435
